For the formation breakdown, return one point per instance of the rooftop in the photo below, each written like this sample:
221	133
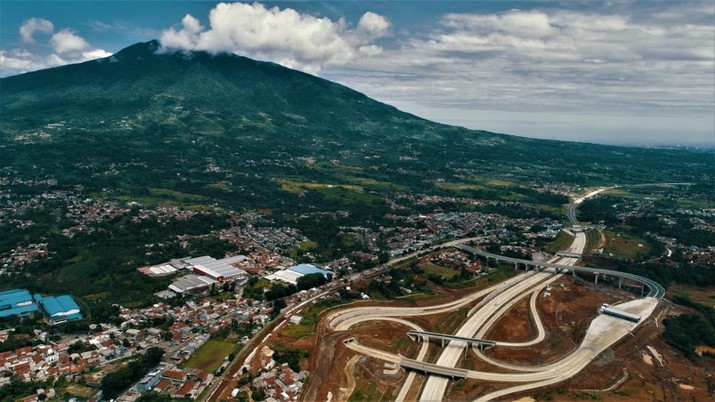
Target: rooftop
306	269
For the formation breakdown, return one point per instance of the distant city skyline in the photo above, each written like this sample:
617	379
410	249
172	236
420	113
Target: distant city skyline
631	72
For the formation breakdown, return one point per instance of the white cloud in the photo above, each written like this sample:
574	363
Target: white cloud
185	38
373	25
29	27
95	54
66	41
638	63
67	47
283	35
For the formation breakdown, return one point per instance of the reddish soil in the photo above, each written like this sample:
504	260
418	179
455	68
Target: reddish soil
679	379
516	325
566	314
329	353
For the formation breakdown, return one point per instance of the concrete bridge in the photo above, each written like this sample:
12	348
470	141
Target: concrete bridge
569	255
480	343
430	368
654	288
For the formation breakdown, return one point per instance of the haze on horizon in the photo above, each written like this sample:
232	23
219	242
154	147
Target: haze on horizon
635	73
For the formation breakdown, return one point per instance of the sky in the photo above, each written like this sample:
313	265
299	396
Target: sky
615	72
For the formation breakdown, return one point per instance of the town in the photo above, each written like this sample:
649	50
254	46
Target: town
216	305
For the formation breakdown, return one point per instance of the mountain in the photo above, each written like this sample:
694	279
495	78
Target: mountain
91	153
217	125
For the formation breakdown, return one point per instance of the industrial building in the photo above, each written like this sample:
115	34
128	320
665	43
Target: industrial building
158	270
60	309
608	310
290	275
57	309
219	270
205	265
191	283
17	302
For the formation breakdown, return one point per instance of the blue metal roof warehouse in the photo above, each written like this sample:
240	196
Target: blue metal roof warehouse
16	302
60	308
306	269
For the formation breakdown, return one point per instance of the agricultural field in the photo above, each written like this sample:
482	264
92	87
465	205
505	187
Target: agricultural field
209	357
439	270
625	245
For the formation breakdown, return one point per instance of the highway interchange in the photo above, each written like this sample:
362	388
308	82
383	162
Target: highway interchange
496	301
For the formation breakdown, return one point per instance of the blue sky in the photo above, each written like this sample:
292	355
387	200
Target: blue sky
622	72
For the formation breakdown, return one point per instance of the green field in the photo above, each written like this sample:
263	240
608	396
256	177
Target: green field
562	242
430	268
625	245
593	237
299	331
311	316
209	356
704	296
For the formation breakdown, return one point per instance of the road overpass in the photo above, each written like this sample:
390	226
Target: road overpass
482	343
429	368
655	289
569	255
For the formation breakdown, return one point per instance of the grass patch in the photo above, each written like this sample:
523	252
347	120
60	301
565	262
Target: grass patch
363	181
459	187
430	268
562	242
209	356
220	185
174	195
496	182
80	391
625	245
513	197
298	186
704	296
310	318
96	296
416	296
593	237
365	391
455	320
347	195
308	245
696	204
299	331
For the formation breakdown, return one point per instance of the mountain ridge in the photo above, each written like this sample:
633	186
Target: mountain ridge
161	108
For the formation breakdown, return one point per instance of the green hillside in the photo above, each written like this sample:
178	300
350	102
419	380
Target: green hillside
174	111
225	133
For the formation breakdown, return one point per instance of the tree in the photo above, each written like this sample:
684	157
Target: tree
310	281
278	305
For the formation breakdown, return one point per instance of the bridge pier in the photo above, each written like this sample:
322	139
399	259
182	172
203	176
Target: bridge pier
595	279
516	266
620	282
642	289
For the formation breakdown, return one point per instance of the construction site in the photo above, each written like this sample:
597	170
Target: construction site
553	330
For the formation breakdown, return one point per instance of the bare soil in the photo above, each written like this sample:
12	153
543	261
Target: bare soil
566	314
678	379
516	325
